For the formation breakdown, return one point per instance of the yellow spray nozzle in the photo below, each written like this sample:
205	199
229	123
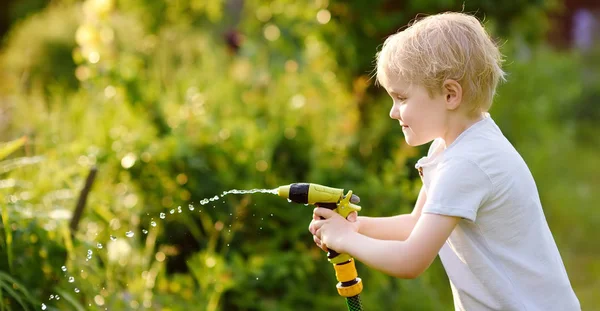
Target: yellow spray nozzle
284	191
307	193
332	198
350	285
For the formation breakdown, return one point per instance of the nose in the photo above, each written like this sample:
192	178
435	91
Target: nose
395	112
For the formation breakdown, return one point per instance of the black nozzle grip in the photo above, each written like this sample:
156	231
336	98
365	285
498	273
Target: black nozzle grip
330	205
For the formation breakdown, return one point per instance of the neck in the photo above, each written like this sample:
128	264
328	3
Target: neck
457	123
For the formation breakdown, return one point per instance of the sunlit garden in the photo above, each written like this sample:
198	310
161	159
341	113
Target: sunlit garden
124	123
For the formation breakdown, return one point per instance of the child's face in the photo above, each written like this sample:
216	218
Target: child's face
422	117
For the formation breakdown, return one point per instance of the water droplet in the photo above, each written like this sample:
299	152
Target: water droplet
271	215
99	245
227	244
63	268
71	279
113	238
191	207
51	297
257	279
77	290
203	201
43	307
289	201
57	297
145	231
306	204
172	211
153	223
260	228
129	234
179	209
90	252
162	215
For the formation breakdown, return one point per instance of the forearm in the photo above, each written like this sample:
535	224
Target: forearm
403	259
396	228
391	257
387	228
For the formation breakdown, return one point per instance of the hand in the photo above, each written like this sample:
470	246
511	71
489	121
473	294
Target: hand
333	231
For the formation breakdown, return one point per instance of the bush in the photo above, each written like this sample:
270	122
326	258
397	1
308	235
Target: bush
175	109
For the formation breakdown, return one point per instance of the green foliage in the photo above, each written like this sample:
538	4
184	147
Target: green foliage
175	102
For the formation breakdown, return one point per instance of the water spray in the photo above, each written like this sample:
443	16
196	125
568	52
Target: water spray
350	285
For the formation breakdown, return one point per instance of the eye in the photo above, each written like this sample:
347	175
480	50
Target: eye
400	98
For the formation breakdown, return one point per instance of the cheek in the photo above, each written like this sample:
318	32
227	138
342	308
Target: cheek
409	113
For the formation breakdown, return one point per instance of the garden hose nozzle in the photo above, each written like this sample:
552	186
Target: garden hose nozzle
350	285
321	196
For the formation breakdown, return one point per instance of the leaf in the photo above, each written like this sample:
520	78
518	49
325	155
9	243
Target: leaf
24	290
10	147
9	165
2	307
8	288
8	232
68	297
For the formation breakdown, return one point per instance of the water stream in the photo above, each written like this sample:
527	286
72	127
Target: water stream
130	234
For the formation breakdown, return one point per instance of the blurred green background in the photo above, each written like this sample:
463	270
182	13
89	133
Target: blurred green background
177	101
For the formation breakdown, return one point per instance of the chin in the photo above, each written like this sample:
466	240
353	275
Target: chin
415	142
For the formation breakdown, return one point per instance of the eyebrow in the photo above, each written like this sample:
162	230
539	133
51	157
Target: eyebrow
396	92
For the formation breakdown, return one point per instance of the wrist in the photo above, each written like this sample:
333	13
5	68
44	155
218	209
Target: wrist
349	244
360	223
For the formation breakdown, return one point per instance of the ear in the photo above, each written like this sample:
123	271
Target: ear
452	92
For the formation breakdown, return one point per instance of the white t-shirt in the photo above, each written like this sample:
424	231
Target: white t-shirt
502	255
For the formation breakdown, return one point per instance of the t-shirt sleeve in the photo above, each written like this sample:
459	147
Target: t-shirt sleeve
458	189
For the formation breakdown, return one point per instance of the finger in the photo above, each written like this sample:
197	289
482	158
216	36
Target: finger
320	243
324	212
317	240
352	217
314	226
318	234
315	217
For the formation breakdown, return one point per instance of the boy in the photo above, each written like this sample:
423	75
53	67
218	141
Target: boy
479	207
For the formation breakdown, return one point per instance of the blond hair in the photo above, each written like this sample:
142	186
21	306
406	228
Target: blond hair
444	46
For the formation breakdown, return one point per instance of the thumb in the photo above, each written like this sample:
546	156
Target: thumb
323	212
352	217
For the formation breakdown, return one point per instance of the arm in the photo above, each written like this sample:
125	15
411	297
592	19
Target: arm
395	227
457	192
403	259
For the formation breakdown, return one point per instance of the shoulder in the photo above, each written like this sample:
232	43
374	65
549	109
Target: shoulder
462	167
459	187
